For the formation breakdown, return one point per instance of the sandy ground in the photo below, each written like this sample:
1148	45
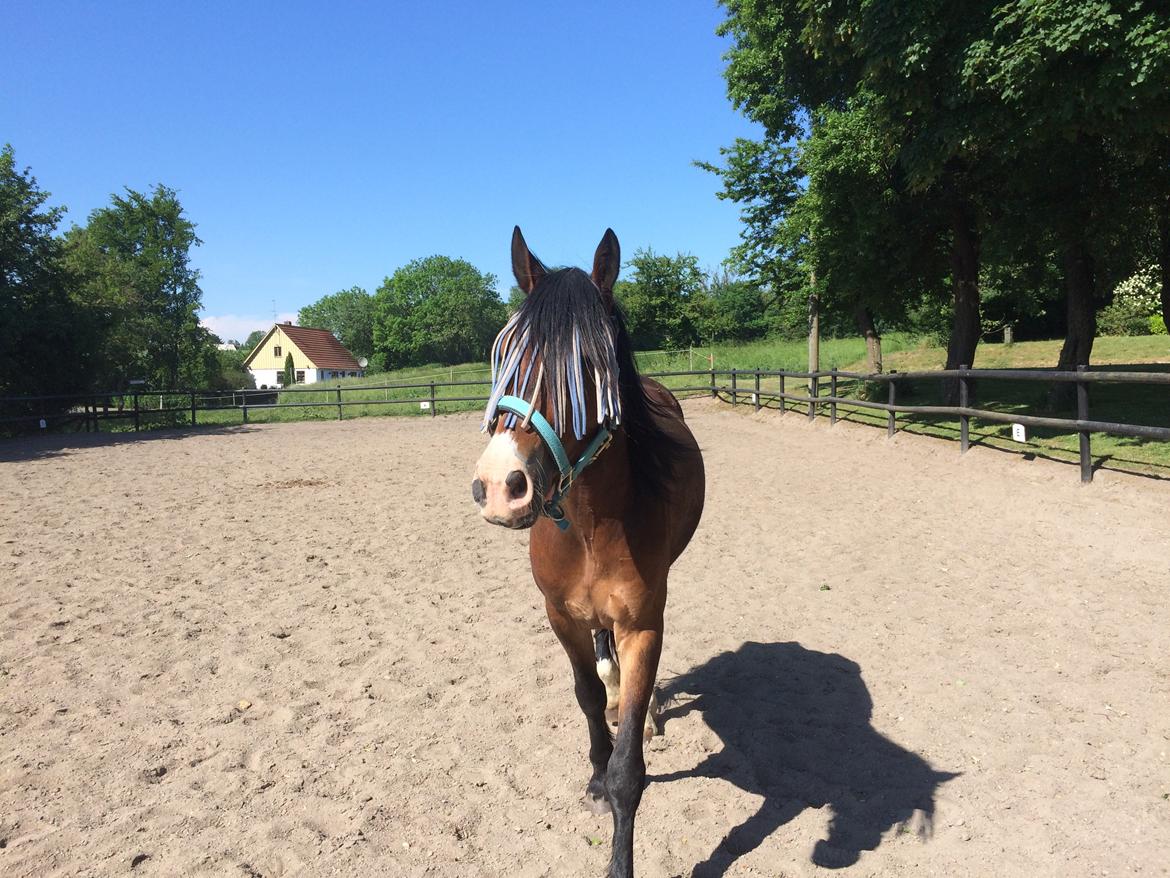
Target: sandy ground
294	649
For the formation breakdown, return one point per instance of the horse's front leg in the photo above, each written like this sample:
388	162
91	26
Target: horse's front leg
638	652
590	691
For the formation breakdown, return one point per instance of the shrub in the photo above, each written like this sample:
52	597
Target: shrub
1135	301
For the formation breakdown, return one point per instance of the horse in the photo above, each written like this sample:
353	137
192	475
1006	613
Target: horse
599	463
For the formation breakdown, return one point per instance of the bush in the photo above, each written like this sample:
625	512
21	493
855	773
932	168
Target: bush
1135	302
1157	325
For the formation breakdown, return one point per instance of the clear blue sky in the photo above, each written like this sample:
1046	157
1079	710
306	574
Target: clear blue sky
319	146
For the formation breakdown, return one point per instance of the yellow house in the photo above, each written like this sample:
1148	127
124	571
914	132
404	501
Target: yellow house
317	356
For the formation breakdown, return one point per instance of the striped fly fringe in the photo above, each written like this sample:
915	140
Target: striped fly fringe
563	381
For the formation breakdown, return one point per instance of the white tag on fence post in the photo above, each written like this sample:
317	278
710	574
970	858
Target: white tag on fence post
425	404
1019	433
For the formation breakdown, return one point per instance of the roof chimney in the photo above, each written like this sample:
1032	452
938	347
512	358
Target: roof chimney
288	323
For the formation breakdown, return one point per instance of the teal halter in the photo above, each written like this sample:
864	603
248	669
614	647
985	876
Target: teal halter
568	472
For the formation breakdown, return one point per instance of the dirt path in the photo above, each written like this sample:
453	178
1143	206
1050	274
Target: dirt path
294	649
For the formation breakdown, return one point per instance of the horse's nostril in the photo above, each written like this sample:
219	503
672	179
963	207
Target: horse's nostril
517	484
477	492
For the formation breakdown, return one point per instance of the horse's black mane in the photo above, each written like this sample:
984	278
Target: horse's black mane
567	305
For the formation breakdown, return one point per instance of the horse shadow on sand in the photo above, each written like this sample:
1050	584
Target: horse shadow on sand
795	727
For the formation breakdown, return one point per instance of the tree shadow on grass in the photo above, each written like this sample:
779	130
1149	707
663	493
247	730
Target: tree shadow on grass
795	726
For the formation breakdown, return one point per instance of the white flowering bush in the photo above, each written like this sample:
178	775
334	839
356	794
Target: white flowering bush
1136	301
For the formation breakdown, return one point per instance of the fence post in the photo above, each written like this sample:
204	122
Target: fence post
782	400
833	394
192	408
814	390
136	416
890	426
713	393
964	421
432	399
339	402
757	389
734	384
1083	415
244	404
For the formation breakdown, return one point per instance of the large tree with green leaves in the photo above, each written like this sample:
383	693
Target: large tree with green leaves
348	314
1082	91
436	310
663	299
1034	121
132	272
41	347
794	65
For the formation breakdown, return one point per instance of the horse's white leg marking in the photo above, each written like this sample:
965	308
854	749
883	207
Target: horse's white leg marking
607	670
611	677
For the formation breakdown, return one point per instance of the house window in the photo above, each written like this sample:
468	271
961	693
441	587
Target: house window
300	376
276	351
279	378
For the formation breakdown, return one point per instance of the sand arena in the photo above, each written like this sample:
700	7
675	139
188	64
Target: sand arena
294	649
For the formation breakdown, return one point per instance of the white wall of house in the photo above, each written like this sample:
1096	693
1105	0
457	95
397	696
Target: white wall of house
264	376
312	376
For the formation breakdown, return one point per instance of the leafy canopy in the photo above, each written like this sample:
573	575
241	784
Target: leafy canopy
348	314
436	310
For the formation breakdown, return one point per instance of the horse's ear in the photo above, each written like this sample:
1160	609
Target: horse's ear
607	261
527	268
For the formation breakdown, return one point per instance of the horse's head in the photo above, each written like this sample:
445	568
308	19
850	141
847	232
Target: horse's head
555	390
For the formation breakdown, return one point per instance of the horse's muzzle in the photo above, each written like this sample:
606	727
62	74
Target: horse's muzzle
504	487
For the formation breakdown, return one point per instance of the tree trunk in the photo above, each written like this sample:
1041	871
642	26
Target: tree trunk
1164	258
814	335
873	340
966	329
1080	288
1080	291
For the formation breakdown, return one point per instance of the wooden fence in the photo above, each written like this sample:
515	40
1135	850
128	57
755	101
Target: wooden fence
88	411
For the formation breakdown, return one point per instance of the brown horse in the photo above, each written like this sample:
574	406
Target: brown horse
599	463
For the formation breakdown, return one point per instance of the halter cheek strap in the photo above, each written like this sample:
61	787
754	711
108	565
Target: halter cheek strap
568	471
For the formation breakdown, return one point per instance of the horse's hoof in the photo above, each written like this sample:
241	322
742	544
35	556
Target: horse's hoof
596	805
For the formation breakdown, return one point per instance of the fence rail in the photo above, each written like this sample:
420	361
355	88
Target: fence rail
89	410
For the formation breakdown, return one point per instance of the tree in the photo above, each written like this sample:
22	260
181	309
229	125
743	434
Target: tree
436	309
289	378
663	299
348	314
1085	120
793	64
132	271
230	373
1040	123
254	338
733	309
875	245
41	347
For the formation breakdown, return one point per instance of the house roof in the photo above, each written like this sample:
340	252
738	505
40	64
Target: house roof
320	347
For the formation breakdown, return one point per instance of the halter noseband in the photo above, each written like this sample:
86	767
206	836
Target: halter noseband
568	472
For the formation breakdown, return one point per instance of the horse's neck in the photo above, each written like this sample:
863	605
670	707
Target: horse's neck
604	489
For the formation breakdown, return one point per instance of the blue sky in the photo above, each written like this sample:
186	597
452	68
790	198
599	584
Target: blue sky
319	146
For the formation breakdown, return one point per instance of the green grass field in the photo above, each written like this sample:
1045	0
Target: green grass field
1135	404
